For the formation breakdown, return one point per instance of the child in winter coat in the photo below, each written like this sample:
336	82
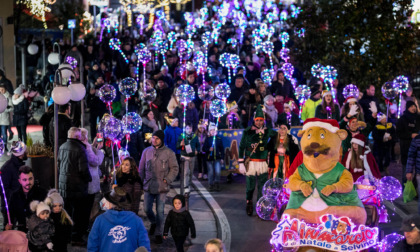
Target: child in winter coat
40	227
384	137
62	221
215	156
270	110
180	222
129	179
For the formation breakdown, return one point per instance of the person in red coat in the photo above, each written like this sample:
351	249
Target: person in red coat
359	160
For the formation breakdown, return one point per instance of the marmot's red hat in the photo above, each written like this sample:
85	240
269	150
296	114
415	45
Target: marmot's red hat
346	220
328	124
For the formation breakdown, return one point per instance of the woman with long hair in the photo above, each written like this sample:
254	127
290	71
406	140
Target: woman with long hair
201	134
359	160
328	109
285	151
128	178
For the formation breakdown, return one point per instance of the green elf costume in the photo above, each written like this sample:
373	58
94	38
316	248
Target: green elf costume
256	143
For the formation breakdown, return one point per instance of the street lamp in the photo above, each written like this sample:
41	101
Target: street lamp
54	57
61	95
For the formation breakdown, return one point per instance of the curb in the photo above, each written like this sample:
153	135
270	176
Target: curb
222	223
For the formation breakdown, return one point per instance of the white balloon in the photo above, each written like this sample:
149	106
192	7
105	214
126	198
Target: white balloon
78	91
32	49
61	95
66	70
54	58
3	103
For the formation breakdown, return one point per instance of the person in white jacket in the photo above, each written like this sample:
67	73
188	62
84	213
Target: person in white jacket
5	116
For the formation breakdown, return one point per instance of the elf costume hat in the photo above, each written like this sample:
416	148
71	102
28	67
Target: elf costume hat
325	93
350	99
328	124
259	114
231	106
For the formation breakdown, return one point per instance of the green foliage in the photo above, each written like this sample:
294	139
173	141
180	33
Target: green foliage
368	42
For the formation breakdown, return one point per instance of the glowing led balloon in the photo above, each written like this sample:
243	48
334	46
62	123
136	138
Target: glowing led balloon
131	122
390	90
350	91
368	181
225	59
328	72
267	47
266	207
316	70
112	128
2	147
273	187
390	188
144	55
233	60
128	86
302	92
222	91
185	94
107	93
402	83
206	38
285	240
148	94
288	70
104	120
389	241
218	108
266	76
284	54
205	92
284	38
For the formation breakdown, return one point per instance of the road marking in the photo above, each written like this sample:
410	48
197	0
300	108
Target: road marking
223	223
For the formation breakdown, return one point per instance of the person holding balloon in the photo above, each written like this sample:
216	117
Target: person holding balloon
328	109
253	153
214	152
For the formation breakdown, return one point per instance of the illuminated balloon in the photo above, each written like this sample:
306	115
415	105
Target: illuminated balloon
131	122
390	188
273	187
128	86
288	70
144	55
225	59
316	70
266	207
112	128
284	54
402	83
2	147
233	60
329	72
218	108
107	93
104	120
284	38
185	94
267	47
390	90
222	91
205	92
3	103
147	95
266	76
388	242
302	92
350	91
366	181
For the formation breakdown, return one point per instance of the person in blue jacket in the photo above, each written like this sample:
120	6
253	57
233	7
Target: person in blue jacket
172	133
118	229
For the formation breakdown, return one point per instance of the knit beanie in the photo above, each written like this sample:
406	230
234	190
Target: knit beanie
160	134
18	91
268	97
315	89
54	197
38	207
409	104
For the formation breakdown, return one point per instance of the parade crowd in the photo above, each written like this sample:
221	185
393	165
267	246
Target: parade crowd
167	141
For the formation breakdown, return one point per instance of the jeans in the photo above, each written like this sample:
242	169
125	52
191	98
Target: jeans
21	129
213	169
157	219
188	171
4	134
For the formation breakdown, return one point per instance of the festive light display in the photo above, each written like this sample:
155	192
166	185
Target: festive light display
350	91
39	8
403	84
115	44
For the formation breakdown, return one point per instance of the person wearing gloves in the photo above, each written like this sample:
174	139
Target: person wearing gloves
354	126
180	221
308	109
359	159
369	103
328	109
117	229
40	227
158	169
214	152
383	139
253	153
288	116
5	115
352	107
20	112
189	146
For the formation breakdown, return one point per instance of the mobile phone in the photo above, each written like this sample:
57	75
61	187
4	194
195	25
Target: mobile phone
99	137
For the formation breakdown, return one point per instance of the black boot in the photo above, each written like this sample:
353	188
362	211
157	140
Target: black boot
152	229
249	208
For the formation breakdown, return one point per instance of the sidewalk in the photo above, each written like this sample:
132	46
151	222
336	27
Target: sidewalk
203	215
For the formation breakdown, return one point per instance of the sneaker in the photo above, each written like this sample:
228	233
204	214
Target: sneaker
200	175
205	177
152	229
158	239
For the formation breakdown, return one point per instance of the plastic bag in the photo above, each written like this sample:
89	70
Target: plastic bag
409	191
